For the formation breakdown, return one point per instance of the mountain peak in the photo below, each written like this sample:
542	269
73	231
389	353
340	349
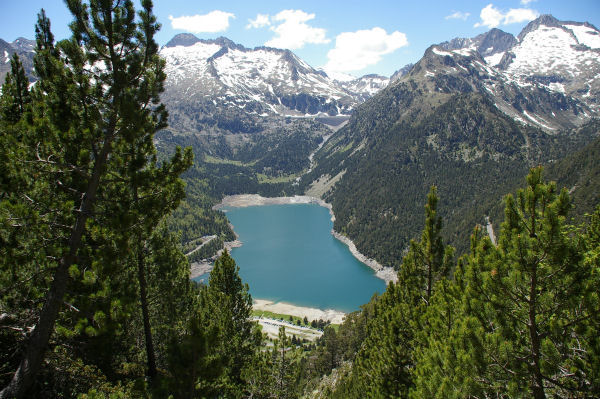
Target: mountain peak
401	72
225	42
545	19
188	39
22	39
492	42
23	45
497	40
182	39
218	73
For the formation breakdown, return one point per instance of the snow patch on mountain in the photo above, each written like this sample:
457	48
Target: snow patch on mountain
548	76
546	50
340	76
256	81
441	52
24	49
495	59
586	35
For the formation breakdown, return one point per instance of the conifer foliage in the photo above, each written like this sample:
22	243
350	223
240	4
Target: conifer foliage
77	154
16	86
227	301
532	295
387	355
517	320
96	299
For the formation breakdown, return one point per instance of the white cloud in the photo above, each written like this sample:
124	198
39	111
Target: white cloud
214	21
458	15
516	15
525	2
261	21
493	17
293	32
490	17
356	50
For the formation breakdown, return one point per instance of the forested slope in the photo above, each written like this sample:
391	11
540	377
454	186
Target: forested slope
518	319
424	130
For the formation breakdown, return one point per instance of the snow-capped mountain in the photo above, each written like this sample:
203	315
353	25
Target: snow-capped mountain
366	86
260	81
491	45
562	56
22	45
24	48
548	76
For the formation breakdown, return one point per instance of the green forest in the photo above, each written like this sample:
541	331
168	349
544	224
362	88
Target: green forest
96	299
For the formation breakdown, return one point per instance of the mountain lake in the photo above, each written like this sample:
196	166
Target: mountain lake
289	255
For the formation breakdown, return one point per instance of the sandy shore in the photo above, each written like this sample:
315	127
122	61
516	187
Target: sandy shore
387	274
200	268
334	316
244	200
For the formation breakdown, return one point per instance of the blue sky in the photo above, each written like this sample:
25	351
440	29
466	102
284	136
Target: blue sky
350	36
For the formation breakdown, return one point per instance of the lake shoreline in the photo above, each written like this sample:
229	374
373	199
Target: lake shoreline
331	315
204	266
386	274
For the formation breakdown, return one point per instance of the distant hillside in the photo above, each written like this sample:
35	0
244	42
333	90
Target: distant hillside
462	124
580	174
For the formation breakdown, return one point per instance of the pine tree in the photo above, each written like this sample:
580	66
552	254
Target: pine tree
96	92
155	190
531	296
228	302
172	296
587	361
387	355
259	376
282	366
194	366
432	258
449	357
15	92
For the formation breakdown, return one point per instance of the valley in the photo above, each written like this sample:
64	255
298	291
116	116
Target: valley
459	119
209	219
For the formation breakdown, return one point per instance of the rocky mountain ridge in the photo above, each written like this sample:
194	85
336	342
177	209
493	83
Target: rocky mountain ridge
219	77
548	76
24	48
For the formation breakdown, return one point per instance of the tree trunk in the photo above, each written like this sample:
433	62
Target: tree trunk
537	382
145	314
32	358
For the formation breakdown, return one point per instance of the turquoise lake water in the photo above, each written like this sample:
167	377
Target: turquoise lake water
289	255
